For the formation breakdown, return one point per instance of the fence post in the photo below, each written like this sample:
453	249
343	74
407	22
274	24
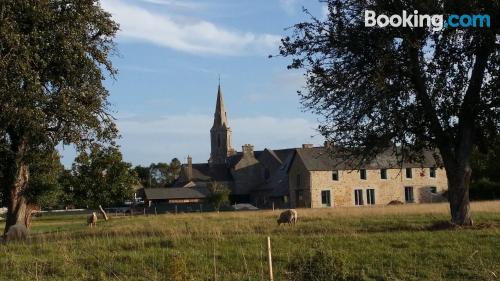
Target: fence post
156	213
269	258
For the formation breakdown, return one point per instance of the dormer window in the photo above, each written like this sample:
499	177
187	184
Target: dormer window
383	174
362	174
409	173
335	175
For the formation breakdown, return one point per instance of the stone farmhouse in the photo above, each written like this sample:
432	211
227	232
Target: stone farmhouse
308	176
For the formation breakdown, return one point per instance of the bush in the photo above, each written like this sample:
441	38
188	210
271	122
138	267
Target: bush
484	189
320	266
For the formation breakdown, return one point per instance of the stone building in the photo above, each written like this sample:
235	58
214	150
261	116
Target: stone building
308	176
319	180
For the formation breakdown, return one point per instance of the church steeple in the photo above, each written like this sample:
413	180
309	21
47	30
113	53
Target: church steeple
220	116
220	134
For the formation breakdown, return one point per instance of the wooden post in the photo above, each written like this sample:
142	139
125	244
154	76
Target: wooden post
156	213
176	209
273	205
144	211
215	265
269	258
103	213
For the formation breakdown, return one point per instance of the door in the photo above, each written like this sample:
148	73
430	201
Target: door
299	198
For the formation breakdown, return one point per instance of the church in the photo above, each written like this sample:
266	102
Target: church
308	176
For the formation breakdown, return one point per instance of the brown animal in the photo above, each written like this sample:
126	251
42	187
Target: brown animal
288	216
17	232
92	219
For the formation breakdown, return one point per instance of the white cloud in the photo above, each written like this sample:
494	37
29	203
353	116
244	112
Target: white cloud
153	140
289	6
187	35
175	3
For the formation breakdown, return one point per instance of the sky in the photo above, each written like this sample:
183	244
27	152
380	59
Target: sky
170	56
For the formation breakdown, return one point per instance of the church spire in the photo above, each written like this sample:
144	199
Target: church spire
220	134
220	116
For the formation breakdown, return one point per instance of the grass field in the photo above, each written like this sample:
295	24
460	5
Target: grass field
381	243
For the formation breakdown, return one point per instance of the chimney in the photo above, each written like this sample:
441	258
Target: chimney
307	145
247	150
189	168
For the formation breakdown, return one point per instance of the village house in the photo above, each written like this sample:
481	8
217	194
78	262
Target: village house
309	176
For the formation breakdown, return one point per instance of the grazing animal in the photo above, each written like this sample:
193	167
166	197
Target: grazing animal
288	216
92	219
17	232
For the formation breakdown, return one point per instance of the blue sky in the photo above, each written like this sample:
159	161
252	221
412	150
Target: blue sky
171	53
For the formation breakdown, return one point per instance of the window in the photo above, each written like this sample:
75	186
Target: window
370	196
358	197
433	189
325	198
335	175
362	174
432	172
383	174
409	173
409	194
297	182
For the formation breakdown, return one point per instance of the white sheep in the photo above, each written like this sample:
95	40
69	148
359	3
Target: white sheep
288	216
92	219
17	232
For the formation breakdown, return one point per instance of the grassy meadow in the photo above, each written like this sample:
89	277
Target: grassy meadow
410	242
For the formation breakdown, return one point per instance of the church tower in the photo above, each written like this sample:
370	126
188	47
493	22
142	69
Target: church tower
220	134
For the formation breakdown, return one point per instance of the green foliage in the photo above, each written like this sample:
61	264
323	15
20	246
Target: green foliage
53	55
320	266
101	177
484	189
44	188
159	174
486	164
219	195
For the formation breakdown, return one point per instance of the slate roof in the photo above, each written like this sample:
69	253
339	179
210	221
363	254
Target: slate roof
175	193
203	172
319	159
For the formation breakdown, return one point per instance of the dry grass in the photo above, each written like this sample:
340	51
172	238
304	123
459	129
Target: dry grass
386	243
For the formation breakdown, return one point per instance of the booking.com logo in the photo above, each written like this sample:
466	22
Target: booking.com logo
436	22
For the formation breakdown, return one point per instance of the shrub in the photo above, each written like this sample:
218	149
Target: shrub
320	266
484	189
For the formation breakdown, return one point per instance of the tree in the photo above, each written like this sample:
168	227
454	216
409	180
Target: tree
174	170
53	58
143	173
158	174
44	189
101	177
417	88
219	195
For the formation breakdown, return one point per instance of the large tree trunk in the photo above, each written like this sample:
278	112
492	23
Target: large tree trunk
458	195
17	181
28	214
